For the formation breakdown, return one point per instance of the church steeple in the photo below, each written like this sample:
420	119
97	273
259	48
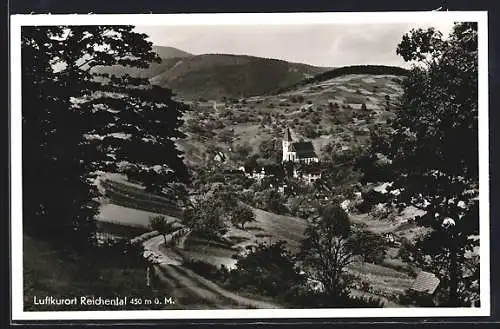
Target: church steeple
288	135
287	141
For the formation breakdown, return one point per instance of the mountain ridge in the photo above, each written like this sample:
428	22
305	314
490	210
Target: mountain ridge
223	75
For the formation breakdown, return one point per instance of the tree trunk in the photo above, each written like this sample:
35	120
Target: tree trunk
165	239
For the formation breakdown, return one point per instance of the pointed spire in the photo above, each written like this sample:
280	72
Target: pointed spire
288	135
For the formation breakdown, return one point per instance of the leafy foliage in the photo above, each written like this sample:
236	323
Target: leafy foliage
77	122
267	269
271	149
370	245
434	150
205	216
242	215
161	225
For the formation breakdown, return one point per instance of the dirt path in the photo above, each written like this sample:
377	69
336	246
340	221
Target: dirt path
190	284
189	287
152	246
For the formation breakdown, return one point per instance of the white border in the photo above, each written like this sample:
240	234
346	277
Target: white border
244	19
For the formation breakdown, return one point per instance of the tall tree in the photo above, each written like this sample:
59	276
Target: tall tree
434	150
77	121
326	251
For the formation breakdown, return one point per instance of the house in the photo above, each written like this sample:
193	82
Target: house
426	283
256	174
308	177
297	151
220	157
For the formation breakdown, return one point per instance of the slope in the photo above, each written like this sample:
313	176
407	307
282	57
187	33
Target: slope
214	76
325	112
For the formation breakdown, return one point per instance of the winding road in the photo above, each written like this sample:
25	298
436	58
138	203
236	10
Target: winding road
189	289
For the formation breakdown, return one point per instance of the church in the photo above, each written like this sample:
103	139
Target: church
302	152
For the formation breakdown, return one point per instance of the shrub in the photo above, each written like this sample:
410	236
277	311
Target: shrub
242	215
413	298
268	269
370	199
205	269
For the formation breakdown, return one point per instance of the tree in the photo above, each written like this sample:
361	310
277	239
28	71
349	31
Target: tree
205	217
161	225
267	269
326	249
434	148
242	214
270	149
273	201
241	151
370	245
77	121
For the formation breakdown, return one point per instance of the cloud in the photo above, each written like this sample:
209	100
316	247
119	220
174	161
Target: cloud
321	45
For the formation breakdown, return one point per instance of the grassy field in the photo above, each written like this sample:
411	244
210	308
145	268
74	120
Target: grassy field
126	216
267	228
131	196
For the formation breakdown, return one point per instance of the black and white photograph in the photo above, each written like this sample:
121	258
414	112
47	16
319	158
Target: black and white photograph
249	165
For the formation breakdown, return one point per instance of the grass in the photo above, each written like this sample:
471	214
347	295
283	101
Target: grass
125	216
133	197
48	272
118	229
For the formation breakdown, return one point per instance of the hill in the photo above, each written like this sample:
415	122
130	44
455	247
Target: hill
214	76
326	112
346	70
169	57
170	52
231	76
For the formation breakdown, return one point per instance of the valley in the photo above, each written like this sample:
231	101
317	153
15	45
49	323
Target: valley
335	113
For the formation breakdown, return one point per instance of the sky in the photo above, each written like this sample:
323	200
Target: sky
326	45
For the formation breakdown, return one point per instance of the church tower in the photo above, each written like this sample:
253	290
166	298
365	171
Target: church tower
287	141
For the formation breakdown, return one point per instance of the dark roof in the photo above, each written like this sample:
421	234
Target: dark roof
425	282
304	150
288	135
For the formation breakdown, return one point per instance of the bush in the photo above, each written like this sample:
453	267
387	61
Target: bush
206	270
370	199
380	211
268	269
413	298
